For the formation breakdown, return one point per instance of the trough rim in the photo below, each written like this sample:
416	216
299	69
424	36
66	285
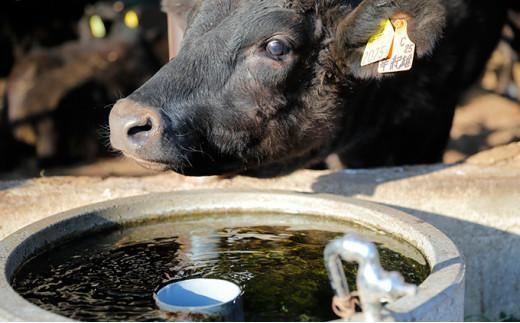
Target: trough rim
446	261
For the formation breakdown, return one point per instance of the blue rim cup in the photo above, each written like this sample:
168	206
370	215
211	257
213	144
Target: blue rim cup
202	299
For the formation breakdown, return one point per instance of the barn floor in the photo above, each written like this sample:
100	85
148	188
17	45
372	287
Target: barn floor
485	120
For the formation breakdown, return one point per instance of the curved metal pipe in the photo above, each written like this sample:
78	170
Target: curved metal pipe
375	285
334	267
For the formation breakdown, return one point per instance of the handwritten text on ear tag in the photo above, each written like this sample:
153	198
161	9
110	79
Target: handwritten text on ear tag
379	44
403	51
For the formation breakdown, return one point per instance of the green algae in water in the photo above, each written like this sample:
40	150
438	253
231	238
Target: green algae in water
111	276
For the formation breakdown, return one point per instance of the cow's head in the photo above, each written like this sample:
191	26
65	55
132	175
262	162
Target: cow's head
260	86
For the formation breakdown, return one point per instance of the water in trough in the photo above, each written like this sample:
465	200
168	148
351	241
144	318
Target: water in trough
278	262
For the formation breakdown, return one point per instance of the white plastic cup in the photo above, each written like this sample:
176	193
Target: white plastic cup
215	299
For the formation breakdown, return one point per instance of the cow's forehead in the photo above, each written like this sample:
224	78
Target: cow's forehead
208	6
232	16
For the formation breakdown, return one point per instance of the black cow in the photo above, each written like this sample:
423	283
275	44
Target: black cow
263	87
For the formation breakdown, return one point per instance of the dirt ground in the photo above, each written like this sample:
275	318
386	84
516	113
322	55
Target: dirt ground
484	121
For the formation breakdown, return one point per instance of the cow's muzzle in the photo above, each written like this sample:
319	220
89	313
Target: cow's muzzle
137	131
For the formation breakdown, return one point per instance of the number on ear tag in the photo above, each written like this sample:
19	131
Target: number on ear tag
379	44
403	51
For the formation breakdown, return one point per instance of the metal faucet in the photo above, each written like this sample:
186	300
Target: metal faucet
375	285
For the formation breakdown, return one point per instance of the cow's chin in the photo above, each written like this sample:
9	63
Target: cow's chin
266	169
276	169
230	167
287	165
192	168
152	165
217	169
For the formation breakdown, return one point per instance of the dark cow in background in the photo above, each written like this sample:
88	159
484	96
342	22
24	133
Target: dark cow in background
263	87
62	63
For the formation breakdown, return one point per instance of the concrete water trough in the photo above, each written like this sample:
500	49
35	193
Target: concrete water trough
440	297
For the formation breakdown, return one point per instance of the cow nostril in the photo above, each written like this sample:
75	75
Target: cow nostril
137	129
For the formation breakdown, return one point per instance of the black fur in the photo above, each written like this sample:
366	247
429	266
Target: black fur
230	108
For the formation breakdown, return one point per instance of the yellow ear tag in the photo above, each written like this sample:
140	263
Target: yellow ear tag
403	51
379	44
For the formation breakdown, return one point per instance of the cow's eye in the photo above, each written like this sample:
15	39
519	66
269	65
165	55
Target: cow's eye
277	48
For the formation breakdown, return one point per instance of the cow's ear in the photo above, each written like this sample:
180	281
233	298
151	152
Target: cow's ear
178	12
425	20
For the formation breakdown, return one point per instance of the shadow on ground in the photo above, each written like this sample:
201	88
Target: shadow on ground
341	182
5	185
